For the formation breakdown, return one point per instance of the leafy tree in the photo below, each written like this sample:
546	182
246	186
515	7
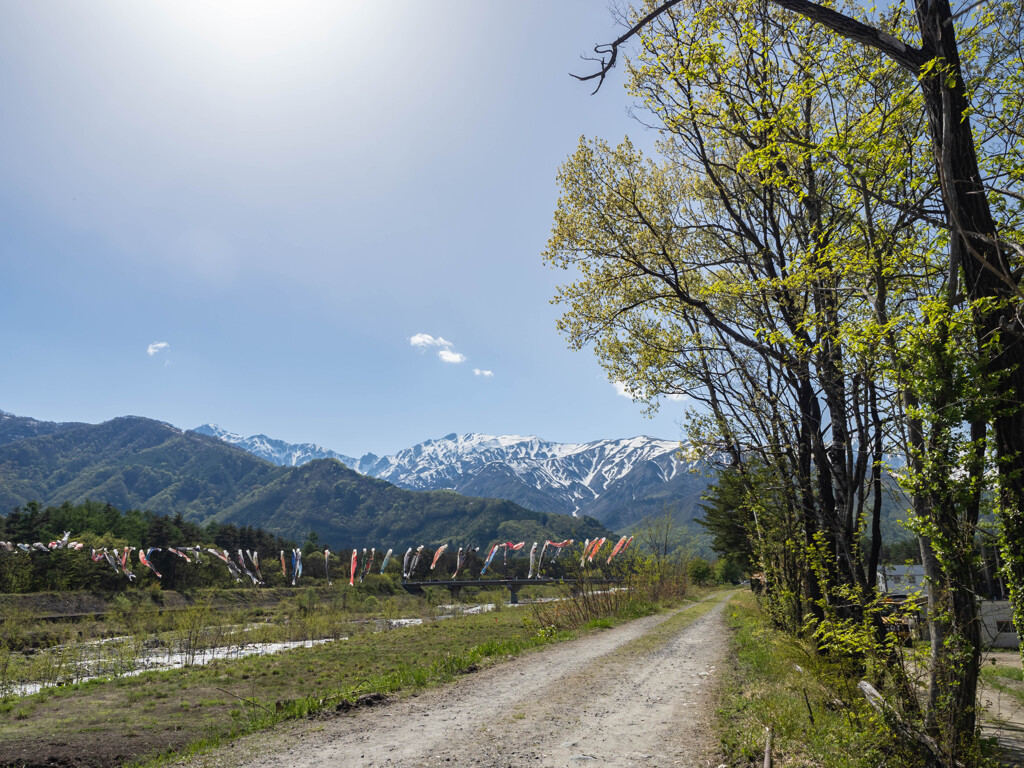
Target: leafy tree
699	571
818	248
728	516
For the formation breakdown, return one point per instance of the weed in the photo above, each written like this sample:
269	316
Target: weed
190	627
812	706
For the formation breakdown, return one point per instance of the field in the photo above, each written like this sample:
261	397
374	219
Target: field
374	644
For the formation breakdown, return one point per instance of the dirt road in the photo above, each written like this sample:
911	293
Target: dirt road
637	695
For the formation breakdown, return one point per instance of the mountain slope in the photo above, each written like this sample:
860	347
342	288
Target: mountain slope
139	463
19	427
617	481
276	451
339	499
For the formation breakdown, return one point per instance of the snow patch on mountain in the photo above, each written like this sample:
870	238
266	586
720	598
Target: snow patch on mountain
568	478
574	473
276	451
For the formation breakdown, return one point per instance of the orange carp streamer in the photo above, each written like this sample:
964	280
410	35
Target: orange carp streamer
437	555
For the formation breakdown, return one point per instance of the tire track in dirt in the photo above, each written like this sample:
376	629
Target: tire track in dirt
635	695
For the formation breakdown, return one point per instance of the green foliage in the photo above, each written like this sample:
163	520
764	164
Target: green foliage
809	255
816	714
699	571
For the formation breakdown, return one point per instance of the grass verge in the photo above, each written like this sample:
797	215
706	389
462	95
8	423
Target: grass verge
812	706
1004	679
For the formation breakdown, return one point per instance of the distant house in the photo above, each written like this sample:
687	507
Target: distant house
997	630
902	579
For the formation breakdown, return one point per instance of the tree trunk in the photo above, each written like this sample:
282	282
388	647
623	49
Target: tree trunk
987	275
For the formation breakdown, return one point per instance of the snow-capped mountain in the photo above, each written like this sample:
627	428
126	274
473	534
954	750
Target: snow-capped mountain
616	481
276	451
574	475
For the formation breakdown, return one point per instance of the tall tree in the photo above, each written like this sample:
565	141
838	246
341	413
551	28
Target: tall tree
797	241
980	194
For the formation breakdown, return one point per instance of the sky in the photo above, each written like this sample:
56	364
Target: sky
322	222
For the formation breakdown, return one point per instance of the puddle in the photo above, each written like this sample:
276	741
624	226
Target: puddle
113	666
113	657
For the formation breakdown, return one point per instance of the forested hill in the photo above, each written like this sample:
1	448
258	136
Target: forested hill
138	463
19	427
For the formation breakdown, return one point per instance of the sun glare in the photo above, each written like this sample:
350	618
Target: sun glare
253	30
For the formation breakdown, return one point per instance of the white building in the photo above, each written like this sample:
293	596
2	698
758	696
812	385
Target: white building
902	580
997	630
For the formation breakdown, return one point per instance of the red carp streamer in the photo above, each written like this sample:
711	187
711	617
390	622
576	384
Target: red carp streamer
144	559
125	561
616	549
560	547
179	553
512	547
597	548
437	555
355	563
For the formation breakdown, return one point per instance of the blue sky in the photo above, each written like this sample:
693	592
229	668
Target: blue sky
245	213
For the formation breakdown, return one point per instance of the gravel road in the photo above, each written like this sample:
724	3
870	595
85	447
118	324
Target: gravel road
640	694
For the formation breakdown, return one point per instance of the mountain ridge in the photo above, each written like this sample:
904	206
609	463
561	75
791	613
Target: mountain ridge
619	481
274	450
136	463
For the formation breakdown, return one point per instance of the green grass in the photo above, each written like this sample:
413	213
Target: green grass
1009	673
1005	680
187	711
205	704
815	713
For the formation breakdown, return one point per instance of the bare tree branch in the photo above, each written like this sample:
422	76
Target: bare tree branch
907	56
612	49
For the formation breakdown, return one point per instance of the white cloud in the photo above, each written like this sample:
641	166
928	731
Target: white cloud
481	372
446	353
156	346
623	390
426	340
